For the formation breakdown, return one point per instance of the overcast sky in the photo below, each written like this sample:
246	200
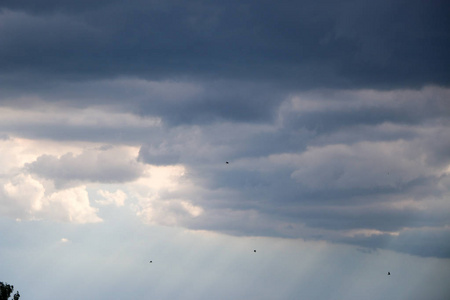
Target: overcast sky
117	119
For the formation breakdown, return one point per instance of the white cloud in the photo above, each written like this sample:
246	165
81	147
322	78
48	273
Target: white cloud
163	196
71	205
22	197
25	198
169	212
117	198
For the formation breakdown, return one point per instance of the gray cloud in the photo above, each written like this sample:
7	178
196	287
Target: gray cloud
422	242
325	111
293	180
384	178
97	165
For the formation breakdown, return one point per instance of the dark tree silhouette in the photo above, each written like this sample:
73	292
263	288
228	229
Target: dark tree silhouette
6	290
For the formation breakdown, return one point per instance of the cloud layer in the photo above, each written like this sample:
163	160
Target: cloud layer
333	116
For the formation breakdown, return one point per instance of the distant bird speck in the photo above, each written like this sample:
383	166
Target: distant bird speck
389	273
227	162
151	261
254	250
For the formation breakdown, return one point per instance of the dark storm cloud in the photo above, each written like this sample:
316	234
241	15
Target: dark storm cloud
303	44
217	101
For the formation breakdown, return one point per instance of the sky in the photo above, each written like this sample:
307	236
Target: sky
117	119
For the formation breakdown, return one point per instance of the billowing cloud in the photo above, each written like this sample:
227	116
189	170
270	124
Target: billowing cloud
25	198
165	196
71	205
22	196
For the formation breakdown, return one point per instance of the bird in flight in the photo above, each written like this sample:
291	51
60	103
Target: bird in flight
254	250
389	273
151	261
227	162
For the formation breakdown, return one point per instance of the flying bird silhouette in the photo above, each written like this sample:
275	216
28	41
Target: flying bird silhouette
389	273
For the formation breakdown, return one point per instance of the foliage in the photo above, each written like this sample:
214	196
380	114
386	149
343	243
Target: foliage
6	290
